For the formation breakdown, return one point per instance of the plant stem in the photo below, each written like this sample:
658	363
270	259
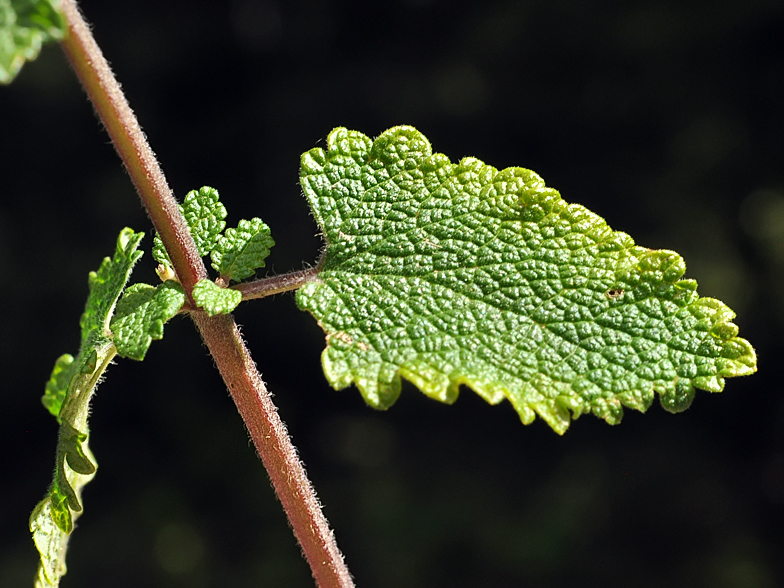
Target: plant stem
219	333
115	113
280	456
277	284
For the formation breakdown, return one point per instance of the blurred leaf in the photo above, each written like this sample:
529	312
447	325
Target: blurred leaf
25	25
57	386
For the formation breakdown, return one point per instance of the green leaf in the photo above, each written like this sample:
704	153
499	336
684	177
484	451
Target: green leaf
141	314
107	284
241	251
159	252
51	542
204	214
57	386
52	519
68	393
447	274
25	25
214	299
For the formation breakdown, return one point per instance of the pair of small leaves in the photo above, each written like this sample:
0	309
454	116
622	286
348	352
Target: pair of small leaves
106	285
25	25
447	274
235	254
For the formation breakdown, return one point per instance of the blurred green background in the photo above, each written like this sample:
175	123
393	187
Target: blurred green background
665	117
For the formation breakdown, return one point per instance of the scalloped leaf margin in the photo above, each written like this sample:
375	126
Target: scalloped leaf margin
451	274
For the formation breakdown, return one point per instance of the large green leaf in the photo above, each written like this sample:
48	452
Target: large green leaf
447	274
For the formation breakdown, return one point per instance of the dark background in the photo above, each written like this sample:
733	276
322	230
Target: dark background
666	117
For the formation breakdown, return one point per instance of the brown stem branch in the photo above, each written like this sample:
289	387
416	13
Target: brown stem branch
277	284
219	333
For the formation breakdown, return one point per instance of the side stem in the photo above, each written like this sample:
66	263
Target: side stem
277	284
219	333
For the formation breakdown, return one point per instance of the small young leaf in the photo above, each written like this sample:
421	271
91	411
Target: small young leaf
90	362
204	214
57	386
107	284
447	274
141	314
51	542
71	450
241	251
159	252
25	25
214	299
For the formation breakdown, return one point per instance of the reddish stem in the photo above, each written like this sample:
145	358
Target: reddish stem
114	111
219	333
279	454
277	284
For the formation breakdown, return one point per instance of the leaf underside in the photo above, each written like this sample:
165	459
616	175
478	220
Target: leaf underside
447	274
67	396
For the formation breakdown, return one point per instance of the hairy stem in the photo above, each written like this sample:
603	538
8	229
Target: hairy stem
280	457
277	284
219	333
115	113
